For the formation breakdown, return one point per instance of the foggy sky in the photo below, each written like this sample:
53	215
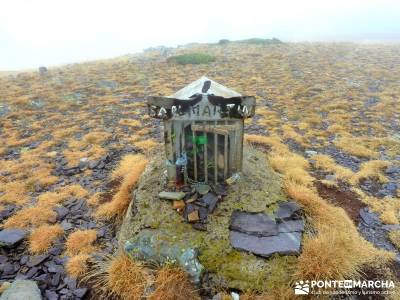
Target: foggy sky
53	32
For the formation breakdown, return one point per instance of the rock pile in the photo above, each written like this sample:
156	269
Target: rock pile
264	235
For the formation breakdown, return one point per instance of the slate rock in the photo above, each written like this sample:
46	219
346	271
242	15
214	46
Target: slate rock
3	259
7	268
32	272
61	212
392	170
51	295
80	292
211	200
11	237
369	218
391	227
265	246
24	259
291	226
150	245
22	289
55	279
36	260
287	210
253	223
7	212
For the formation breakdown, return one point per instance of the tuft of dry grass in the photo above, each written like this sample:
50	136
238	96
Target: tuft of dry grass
328	164
172	283
43	237
77	265
292	166
130	169
337	251
355	147
5	285
371	169
31	217
126	278
394	237
81	242
14	192
146	145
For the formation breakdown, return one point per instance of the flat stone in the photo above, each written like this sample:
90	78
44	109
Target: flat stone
310	153
392	169
265	246
153	246
7	268
36	260
55	279
369	218
51	295
22	289
253	223
211	200
11	237
391	227
61	212
172	195
80	292
291	226
287	210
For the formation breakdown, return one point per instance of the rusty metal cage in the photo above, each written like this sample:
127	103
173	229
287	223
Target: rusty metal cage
203	130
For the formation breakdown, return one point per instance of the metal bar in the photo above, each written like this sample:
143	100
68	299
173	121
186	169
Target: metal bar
194	154
182	151
225	156
205	159
215	155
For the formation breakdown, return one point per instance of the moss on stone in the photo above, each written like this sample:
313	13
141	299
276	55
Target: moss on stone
259	190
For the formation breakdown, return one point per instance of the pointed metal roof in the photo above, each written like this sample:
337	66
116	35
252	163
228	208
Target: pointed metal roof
204	85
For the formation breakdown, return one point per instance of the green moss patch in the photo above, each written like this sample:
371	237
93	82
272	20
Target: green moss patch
192	59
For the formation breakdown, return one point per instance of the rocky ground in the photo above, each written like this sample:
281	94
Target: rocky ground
72	125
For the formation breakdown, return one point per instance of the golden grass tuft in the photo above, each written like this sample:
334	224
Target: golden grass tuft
328	164
172	283
355	147
77	265
388	208
146	145
126	278
130	169
14	192
292	166
31	217
5	285
272	142
338	251
43	237
81	242
371	169
394	237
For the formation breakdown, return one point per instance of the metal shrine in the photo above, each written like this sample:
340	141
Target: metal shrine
203	131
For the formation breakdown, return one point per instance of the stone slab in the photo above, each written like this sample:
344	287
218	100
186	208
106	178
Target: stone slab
287	210
283	243
291	226
253	223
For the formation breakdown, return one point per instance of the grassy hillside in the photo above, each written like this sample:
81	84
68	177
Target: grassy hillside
328	117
